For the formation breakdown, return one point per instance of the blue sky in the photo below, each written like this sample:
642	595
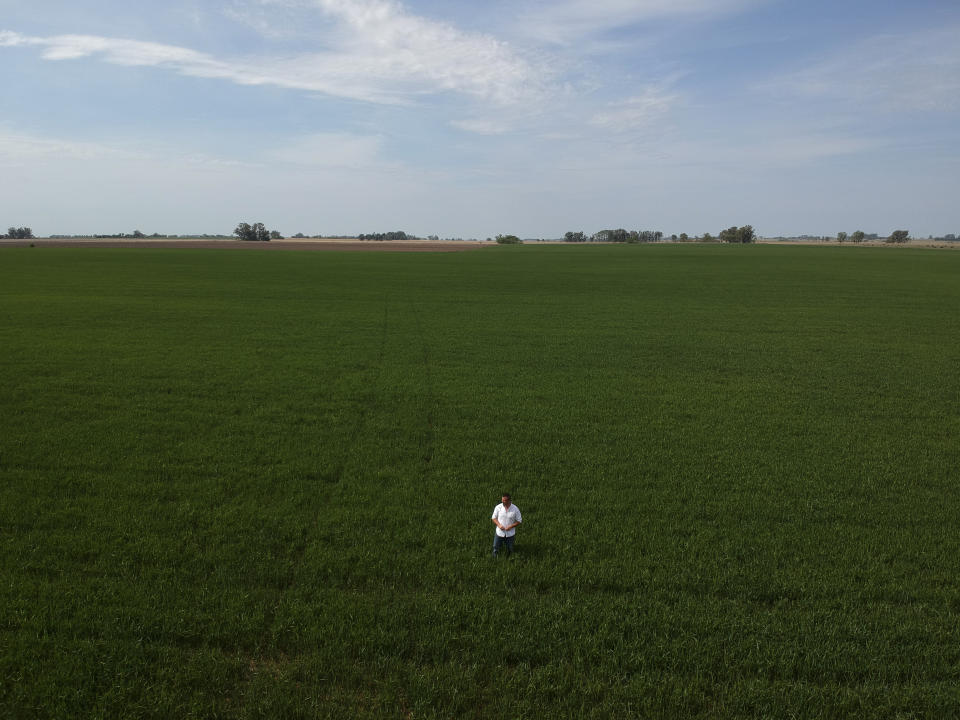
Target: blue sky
468	119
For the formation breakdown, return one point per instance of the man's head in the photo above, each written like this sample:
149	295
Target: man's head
505	499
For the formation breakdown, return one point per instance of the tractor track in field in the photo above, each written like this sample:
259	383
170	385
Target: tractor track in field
311	535
367	400
430	399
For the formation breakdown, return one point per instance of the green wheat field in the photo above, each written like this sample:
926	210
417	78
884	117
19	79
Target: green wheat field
259	485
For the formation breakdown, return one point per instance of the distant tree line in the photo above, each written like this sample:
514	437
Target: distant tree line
394	235
745	234
897	236
19	233
618	235
135	234
733	234
138	234
317	236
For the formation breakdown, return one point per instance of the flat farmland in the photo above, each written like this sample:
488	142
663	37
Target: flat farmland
258	485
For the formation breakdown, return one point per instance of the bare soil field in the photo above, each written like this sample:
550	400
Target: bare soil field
229	244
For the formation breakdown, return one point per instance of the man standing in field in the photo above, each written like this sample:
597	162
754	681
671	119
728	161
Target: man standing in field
506	516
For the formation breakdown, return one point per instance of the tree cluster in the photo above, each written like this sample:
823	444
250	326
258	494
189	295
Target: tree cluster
856	237
899	236
736	234
19	233
255	233
620	235
509	240
394	235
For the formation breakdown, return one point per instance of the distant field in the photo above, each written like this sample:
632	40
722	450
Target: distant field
248	485
224	243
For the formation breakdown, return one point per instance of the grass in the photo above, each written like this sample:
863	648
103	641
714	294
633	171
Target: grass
251	485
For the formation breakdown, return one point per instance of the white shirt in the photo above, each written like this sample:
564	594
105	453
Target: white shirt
507	516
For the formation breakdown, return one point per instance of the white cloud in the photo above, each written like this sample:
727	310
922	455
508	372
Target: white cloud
392	45
371	50
11	39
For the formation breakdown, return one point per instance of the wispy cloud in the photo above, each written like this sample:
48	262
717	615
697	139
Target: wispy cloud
638	112
482	126
565	21
888	73
17	148
333	150
23	149
767	152
370	50
134	53
798	150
